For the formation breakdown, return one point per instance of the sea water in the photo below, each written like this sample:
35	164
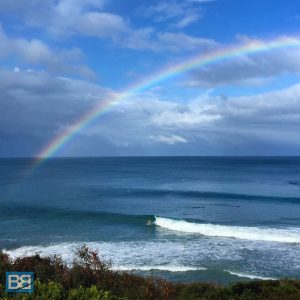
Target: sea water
219	219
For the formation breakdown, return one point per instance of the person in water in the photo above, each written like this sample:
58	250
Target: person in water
149	222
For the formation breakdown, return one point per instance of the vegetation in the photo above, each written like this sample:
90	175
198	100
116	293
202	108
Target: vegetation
89	278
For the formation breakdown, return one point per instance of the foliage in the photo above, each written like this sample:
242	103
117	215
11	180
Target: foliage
90	278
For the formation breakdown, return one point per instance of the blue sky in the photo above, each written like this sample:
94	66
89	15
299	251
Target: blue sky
59	58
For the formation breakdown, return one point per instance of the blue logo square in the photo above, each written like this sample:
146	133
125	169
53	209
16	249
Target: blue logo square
19	282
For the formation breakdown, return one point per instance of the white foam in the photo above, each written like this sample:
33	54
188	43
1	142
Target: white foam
124	255
288	235
65	250
185	253
251	276
169	268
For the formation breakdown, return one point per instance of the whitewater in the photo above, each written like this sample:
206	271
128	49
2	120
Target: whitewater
288	235
220	219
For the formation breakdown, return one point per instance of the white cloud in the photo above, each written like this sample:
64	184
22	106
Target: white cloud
36	52
170	140
67	17
186	118
64	18
179	13
180	41
187	20
252	69
101	24
121	32
214	122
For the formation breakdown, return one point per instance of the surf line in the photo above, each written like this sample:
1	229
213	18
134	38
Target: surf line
213	57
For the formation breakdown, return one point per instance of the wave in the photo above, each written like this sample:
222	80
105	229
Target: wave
294	182
168	268
251	276
22	211
186	193
288	235
144	252
124	256
206	257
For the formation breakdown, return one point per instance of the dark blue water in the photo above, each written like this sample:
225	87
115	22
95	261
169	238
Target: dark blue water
212	218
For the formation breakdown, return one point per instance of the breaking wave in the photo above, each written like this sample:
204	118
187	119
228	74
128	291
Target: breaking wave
168	268
124	256
287	235
251	276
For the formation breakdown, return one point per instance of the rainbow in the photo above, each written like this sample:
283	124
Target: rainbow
251	47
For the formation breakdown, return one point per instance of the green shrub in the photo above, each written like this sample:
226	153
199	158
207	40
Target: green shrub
195	291
91	293
90	278
49	291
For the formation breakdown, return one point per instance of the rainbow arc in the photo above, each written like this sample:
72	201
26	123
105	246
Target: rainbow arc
213	57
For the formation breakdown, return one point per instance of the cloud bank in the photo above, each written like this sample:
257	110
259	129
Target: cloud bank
37	106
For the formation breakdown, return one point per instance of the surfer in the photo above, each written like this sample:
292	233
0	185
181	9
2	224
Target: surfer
149	222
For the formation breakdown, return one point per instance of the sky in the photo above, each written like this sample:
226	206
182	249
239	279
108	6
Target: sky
61	58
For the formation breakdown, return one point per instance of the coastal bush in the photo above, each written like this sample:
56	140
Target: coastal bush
89	278
267	289
45	269
5	266
88	269
195	291
55	291
49	291
91	293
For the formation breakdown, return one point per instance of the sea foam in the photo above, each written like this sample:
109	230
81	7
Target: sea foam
182	255
124	256
168	268
251	276
287	235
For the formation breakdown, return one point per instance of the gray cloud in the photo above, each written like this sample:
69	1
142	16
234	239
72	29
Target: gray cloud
36	107
261	124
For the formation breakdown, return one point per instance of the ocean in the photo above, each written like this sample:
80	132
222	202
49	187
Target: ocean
219	219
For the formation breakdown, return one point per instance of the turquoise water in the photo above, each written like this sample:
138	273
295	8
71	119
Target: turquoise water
218	219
